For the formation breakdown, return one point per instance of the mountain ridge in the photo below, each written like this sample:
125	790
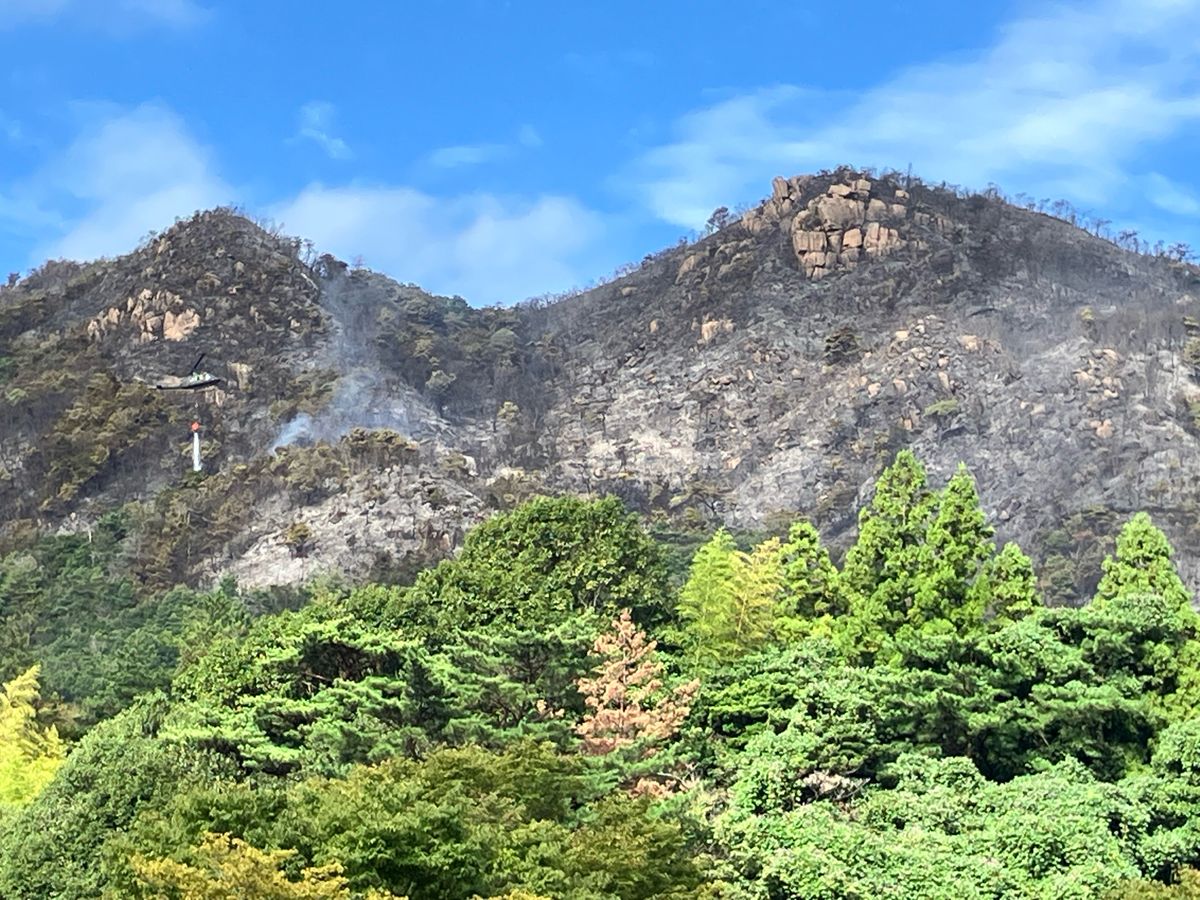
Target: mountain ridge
770	368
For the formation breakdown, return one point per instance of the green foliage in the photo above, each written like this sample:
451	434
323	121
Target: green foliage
29	753
225	868
1141	564
924	567
458	824
1006	589
55	846
944	831
730	602
339	683
942	409
917	724
1191	352
810	581
881	571
107	426
298	538
546	560
99	643
1185	887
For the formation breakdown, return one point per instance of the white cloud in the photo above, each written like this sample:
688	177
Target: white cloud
316	124
1171	196
131	172
529	137
461	155
1061	103
126	175
113	15
484	247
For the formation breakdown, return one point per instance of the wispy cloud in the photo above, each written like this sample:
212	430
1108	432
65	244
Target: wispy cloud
114	15
316	125
124	176
1061	104
133	171
462	155
1171	196
484	247
529	137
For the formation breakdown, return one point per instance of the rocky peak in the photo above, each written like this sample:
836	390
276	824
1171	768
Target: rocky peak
769	369
836	226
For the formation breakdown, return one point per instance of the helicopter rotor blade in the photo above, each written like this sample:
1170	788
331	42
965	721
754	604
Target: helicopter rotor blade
196	364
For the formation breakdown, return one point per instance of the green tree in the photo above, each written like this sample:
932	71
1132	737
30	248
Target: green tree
942	831
316	690
881	574
1186	886
29	753
457	824
954	549
55	846
1141	565
544	560
1006	589
810	581
731	601
223	867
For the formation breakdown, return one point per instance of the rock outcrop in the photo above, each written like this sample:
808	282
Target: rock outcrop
766	371
845	223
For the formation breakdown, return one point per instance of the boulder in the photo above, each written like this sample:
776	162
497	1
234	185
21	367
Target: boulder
807	241
839	212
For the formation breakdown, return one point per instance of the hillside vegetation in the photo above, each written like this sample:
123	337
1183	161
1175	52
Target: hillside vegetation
681	586
772	365
555	714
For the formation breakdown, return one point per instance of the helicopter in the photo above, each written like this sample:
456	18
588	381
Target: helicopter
193	381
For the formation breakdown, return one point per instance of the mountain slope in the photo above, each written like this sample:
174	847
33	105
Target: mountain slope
771	368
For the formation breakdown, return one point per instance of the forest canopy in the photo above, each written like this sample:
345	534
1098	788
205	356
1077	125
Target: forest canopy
552	714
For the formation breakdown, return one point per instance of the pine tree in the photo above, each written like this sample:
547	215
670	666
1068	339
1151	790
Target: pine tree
881	573
956	546
1006	590
810	581
627	702
29	754
1141	565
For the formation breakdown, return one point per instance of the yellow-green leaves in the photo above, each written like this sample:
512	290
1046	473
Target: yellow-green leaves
29	753
730	602
224	867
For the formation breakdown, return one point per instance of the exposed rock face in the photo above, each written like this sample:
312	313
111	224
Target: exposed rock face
836	229
766	371
156	315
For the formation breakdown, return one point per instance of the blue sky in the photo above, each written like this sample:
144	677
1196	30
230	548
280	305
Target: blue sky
505	148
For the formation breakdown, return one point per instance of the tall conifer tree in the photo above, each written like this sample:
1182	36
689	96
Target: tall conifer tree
1142	565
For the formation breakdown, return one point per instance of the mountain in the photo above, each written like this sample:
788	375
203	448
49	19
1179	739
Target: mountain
772	367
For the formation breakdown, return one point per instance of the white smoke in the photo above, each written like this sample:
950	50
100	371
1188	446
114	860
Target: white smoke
366	394
298	431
